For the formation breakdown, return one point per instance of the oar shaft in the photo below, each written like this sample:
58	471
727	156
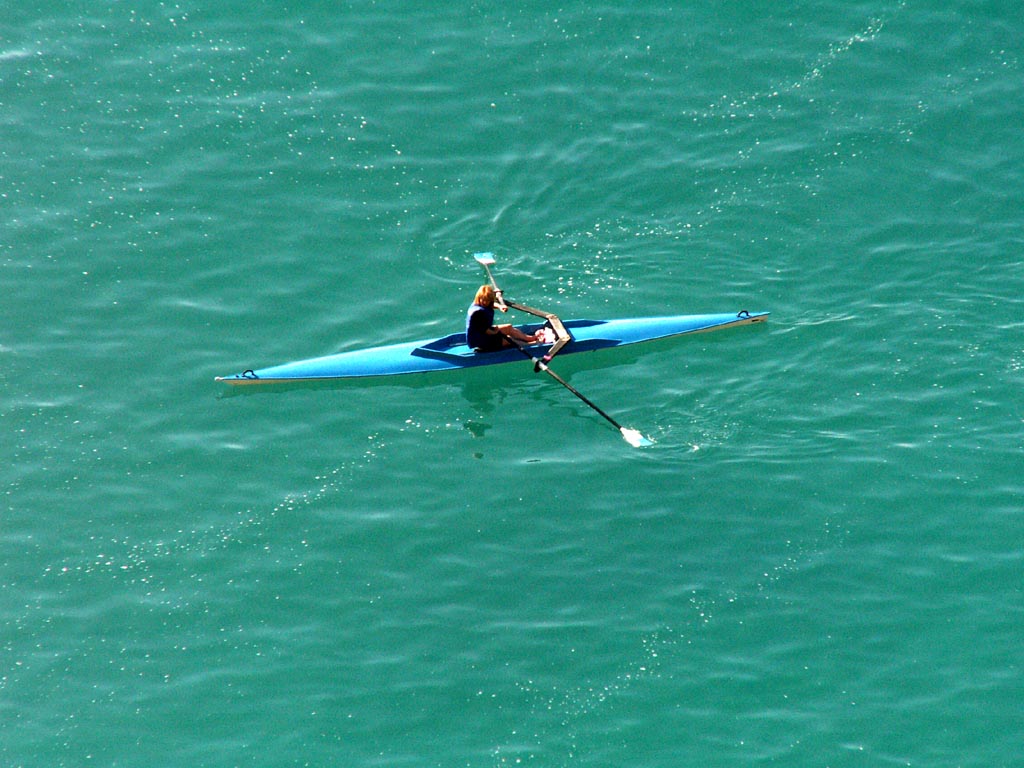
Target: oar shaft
542	366
494	284
632	436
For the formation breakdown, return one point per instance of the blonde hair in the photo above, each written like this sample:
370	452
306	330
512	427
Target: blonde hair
485	296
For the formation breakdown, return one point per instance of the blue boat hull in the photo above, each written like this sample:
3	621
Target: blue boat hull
451	353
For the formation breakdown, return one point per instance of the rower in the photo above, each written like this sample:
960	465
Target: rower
481	332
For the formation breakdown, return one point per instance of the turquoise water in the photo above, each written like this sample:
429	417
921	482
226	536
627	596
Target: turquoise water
818	562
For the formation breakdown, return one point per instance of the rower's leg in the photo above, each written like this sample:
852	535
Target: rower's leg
515	333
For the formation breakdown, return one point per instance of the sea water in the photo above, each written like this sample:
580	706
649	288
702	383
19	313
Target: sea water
818	561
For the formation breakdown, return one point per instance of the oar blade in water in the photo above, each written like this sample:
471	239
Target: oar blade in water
635	437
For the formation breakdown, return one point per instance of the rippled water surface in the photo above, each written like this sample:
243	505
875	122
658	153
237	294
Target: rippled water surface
817	562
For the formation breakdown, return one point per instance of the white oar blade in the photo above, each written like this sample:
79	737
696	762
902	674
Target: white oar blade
634	437
484	258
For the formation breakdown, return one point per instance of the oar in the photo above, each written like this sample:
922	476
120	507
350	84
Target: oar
632	436
485	260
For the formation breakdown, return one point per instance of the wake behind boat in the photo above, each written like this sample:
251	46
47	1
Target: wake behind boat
451	353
